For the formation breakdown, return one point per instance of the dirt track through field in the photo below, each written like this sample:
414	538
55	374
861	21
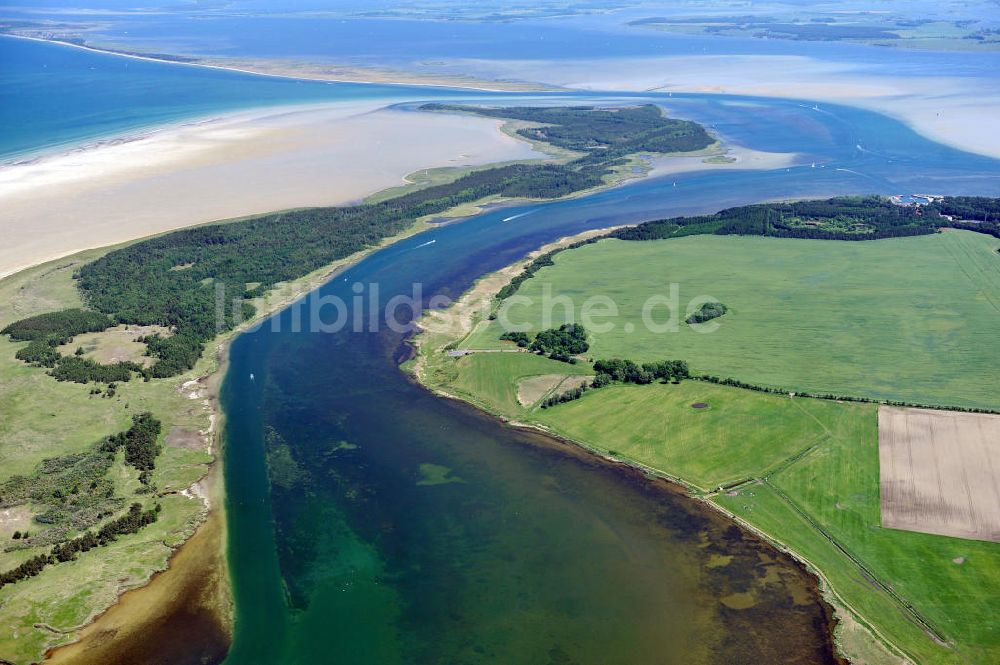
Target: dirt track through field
940	472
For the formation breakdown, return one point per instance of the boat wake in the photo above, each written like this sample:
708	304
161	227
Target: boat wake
513	217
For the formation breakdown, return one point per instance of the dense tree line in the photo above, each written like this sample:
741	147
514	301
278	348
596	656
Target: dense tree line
134	520
989	228
970	213
40	353
618	370
85	370
57	327
839	218
131	522
736	383
537	264
707	312
969	208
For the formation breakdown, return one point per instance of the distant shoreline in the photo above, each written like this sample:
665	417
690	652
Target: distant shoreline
444	83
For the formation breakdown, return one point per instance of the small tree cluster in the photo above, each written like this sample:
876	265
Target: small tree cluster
628	371
618	370
707	312
561	343
140	444
519	338
568	396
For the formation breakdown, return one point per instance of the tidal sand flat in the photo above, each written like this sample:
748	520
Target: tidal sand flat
229	167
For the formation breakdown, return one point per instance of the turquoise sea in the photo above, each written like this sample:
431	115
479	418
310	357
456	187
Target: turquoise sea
54	96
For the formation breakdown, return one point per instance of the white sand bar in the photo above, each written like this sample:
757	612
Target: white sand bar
236	165
940	472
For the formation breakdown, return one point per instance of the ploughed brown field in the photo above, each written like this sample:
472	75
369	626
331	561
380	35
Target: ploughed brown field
940	472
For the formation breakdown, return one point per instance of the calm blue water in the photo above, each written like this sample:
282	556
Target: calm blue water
53	96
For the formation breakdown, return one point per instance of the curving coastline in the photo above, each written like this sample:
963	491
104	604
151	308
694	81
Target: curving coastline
850	634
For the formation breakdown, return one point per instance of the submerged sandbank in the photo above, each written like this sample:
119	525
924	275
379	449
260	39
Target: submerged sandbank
236	165
727	156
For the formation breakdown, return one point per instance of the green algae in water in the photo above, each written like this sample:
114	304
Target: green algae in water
436	474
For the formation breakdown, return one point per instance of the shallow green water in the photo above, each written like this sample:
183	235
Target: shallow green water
510	549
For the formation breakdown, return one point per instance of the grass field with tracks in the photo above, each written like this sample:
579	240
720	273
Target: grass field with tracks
913	319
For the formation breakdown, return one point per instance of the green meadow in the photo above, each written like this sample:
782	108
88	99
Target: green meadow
911	319
738	435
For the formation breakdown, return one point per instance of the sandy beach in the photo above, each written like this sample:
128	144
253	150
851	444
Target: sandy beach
252	162
236	165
